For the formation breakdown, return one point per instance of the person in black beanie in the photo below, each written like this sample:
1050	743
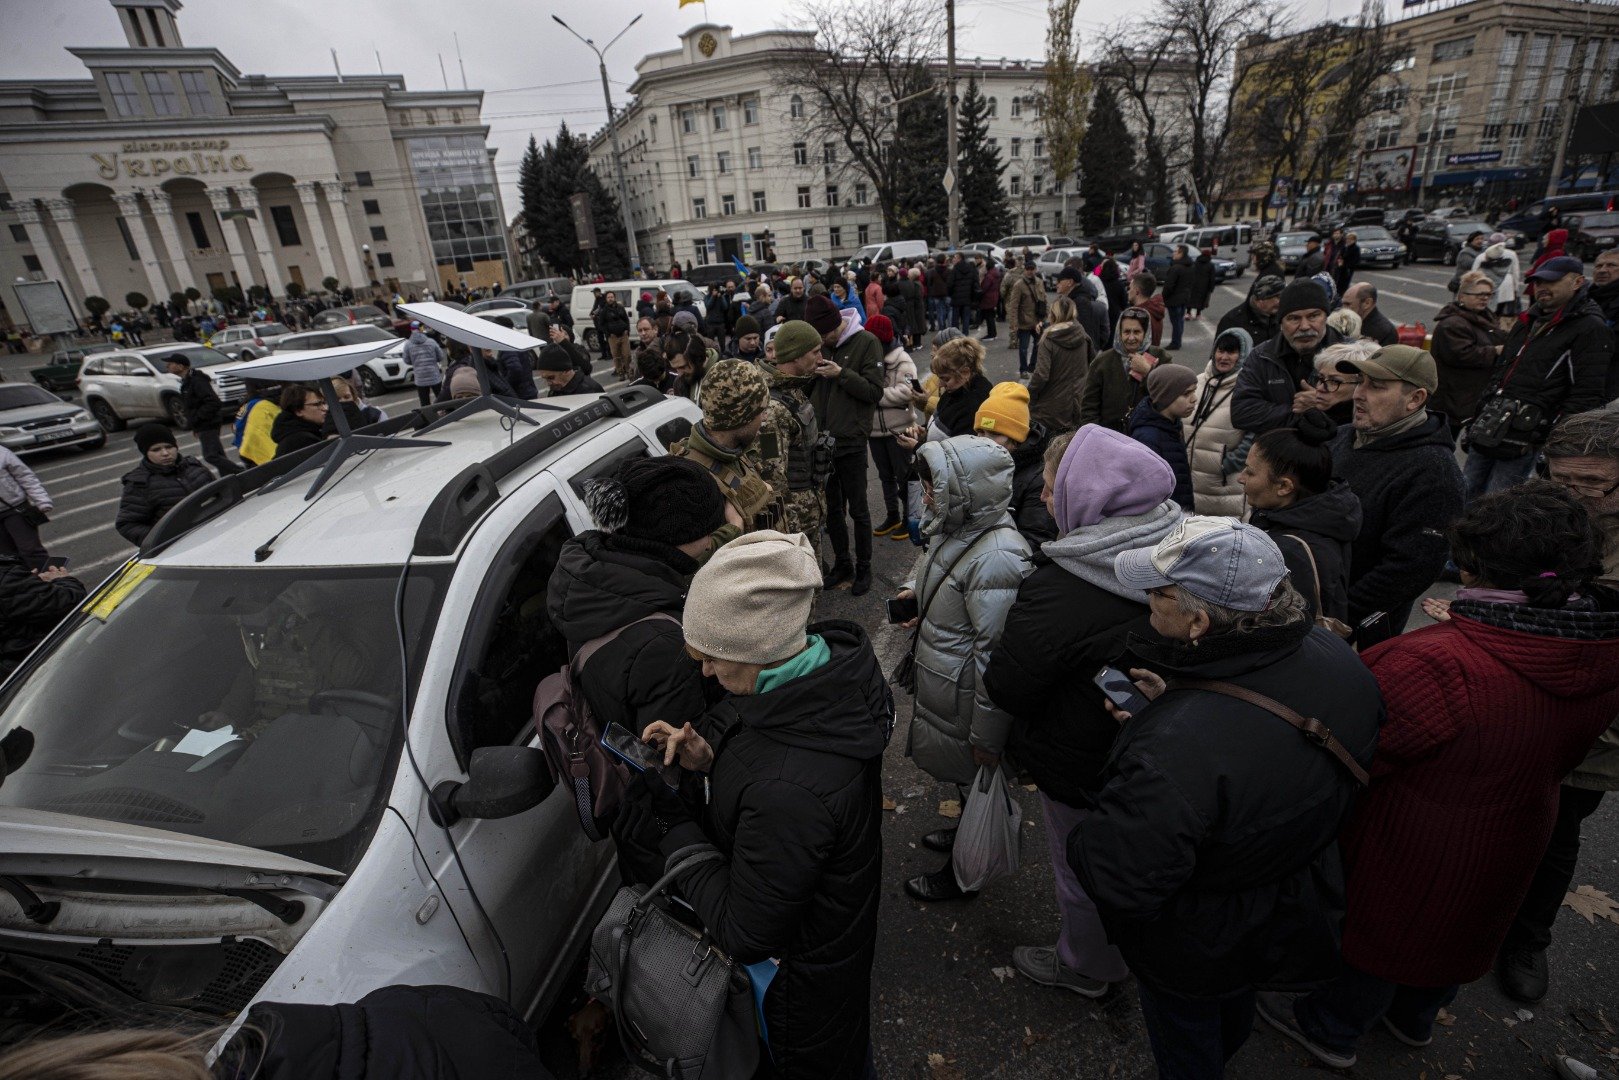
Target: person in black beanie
162	479
558	371
656	523
1276	383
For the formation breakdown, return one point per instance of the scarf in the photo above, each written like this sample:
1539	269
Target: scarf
1404	424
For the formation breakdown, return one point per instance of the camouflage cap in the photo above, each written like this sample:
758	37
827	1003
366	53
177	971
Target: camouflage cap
732	394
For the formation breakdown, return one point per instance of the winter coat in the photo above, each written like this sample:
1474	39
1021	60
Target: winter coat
614	320
788	308
1111	393
20	486
1062	358
1070	618
938	283
916	306
956	411
1116	296
1487	713
1260	328
963	283
895	311
1211	854
1410	490
1163	436
796	806
1202	281
579	384
1379	327
1028	512
395	1033
1092	317
151	492
1309	265
1327	523
603	581
1024	298
1501	263
1464	352
844	404
1210	436
893	412
963	612
1154	307
1179	288
425	357
1551	247
202	406
1559	361
518	367
292	432
1268	380
716	318
1607	298
30	608
989	296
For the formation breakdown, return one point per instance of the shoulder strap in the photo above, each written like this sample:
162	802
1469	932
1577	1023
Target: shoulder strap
1315	571
589	648
1311	728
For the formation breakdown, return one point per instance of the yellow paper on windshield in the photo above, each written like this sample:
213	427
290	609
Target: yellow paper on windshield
115	592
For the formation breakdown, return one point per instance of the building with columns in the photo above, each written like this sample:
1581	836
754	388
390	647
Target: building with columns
167	168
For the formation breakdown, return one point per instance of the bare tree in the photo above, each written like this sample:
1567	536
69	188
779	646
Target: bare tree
865	60
1136	62
1064	99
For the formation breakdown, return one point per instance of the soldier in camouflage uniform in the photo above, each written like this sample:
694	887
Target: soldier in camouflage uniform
789	366
728	442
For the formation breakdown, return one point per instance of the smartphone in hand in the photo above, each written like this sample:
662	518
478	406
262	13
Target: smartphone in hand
622	744
902	609
1118	688
57	562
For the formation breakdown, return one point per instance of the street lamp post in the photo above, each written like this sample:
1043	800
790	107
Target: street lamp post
612	129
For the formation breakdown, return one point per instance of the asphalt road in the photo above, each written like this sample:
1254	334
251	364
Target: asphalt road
943	983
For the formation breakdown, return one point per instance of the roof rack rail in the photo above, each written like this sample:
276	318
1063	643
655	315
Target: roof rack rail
465	499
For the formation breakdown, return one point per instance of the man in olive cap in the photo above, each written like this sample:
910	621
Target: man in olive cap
1258	313
727	442
790	372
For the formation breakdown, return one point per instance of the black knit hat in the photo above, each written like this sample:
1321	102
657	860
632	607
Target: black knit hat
555	358
1302	295
150	435
670	499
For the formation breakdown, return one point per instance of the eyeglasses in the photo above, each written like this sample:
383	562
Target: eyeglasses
1590	491
1336	383
1480	292
315	404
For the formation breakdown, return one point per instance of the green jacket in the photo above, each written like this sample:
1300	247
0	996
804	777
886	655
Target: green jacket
844	404
1110	394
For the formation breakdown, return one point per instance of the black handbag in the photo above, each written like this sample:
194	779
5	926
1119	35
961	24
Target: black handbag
30	513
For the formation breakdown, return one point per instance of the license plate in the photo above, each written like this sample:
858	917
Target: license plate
54	436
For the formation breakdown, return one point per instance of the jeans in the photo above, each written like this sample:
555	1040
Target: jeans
963	320
938	312
1193	1039
1177	326
846	497
1532	929
1486	476
20	539
1025	352
893	462
988	315
1081	943
213	451
1338	1014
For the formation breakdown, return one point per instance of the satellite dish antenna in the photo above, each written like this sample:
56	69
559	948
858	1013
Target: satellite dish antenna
319	366
479	333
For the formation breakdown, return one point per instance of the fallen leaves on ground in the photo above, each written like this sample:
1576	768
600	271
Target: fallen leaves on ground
1445	1017
943	1068
888	804
950	808
1593	904
1003	973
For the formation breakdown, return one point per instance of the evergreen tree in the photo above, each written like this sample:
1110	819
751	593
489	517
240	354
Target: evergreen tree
562	169
530	190
1107	164
986	214
922	207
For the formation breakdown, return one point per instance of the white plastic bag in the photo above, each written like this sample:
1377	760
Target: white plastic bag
986	845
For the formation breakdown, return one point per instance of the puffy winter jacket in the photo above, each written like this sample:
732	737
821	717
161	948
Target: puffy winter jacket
1211	434
20	485
1153	429
292	432
1558	361
615	320
1464	351
518	367
29	608
1327	523
1259	326
990	290
796	806
151	492
1062	358
1179	285
963	283
426	358
893	412
202	406
1028	512
1268	380
964	581
1501	263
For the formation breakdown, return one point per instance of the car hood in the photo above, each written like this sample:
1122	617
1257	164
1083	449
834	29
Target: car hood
45	411
40	843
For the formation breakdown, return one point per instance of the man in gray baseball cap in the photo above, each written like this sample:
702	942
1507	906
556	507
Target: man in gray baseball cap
1217	819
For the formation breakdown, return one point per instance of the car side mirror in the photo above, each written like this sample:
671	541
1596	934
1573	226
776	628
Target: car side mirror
502	781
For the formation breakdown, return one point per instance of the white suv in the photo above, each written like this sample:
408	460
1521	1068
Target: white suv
377	373
304	767
135	384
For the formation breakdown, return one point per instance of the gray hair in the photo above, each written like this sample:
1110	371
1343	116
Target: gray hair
1287	606
1359	349
1586	434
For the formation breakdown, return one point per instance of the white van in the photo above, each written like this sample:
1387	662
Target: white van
882	254
629	294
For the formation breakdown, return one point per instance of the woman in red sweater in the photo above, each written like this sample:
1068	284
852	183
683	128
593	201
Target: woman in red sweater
1487	712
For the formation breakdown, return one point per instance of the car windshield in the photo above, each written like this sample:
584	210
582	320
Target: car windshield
1364	233
354	335
1599	221
1290	239
255	706
25	395
199	355
1463	229
265	329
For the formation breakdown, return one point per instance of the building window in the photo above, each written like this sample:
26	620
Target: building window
756	158
370	206
694	166
31	264
126	100
379	233
160	92
129	241
699	251
688	121
834	238
759	202
1039	147
1039	179
800	153
1056	189
761	248
1017	185
362	179
862	235
992	108
803	198
385	259
1017	147
795	107
1404	62
829	154
807	239
750	111
719	117
860	194
199	232
723	161
1034	221
199	96
1017	107
19	233
831	194
652	128
727	205
1384	133
699	208
1056	220
286	226
1454	49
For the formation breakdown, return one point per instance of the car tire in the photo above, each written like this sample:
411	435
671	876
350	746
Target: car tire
370	385
176	413
106	415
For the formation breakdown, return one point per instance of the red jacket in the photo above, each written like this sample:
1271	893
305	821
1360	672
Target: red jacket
1484	722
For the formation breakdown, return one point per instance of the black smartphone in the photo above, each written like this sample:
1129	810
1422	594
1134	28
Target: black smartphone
916	384
1120	690
631	751
902	609
56	562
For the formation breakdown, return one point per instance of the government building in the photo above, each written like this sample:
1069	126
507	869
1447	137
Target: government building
167	169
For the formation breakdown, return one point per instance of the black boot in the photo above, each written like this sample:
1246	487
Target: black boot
939	885
862	580
1523	974
840	574
940	840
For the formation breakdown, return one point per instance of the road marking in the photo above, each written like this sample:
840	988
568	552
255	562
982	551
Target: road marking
65	492
126	465
59	515
1436	286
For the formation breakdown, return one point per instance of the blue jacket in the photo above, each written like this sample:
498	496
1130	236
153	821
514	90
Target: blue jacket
1152	428
518	367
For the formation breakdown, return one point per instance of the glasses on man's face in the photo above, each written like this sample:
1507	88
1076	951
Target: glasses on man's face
315	403
1589	491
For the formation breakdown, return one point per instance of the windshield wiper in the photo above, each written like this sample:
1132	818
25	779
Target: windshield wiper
33	908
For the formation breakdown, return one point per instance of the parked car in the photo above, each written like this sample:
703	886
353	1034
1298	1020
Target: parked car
629	292
1158	258
1441	239
1378	246
711	274
992	251
351	315
885	253
1452	212
1225	269
1120	237
61	374
1393	219
1064	241
249	341
514	305
1589	235
1290	247
1532	222
234	828
134	384
32	418
1014	246
377	373
538	291
1050	262
1213	236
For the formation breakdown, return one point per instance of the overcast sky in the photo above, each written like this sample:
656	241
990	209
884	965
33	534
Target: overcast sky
534	75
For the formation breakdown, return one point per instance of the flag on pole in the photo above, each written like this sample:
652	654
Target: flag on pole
740	268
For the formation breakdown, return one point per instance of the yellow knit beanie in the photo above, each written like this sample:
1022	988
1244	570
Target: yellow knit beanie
1005	411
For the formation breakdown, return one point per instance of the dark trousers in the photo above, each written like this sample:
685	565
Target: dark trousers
424	394
846	497
964	318
893	462
988	315
1532	929
21	539
1192	1039
1027	357
1177	325
213	451
1338	1014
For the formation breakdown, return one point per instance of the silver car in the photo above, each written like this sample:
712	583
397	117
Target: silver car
377	373
249	342
33	418
134	384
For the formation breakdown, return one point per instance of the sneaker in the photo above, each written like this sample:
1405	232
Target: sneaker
1408	1039
1276	1009
1040	963
902	533
887	528
1573	1069
1522	974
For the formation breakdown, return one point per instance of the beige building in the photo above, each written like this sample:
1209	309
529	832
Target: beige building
167	168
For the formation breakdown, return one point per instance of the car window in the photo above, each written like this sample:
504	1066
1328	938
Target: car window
93	367
355	335
1599	221
26	395
1372	232
201	356
266	329
134	365
607	464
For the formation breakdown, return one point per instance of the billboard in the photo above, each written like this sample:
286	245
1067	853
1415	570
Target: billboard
1386	171
45	307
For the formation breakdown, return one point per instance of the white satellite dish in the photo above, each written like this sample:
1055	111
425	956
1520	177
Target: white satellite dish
479	333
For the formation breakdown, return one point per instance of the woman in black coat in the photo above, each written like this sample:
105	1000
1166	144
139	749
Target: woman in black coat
1202	281
302	419
162	479
1346	263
